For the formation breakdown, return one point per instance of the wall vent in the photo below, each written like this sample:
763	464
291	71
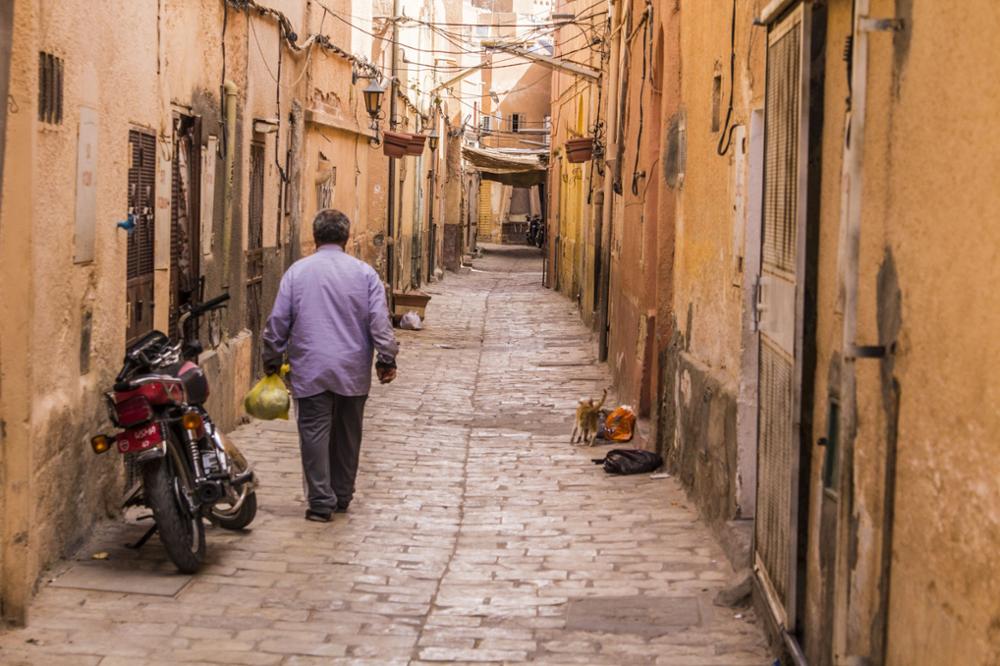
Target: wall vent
50	88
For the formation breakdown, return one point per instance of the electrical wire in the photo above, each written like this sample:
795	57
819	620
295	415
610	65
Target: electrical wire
726	138
503	93
646	37
450	36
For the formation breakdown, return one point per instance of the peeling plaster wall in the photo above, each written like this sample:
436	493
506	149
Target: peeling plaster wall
701	340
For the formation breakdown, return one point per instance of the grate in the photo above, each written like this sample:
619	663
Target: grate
485	223
139	261
781	166
774	452
50	88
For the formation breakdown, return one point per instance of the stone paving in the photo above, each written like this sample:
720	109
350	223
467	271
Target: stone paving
478	533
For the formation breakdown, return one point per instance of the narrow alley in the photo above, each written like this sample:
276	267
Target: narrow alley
479	534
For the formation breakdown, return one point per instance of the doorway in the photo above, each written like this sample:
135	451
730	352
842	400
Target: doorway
782	460
185	217
255	253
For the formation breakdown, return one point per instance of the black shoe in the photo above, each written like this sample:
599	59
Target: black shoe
319	516
342	508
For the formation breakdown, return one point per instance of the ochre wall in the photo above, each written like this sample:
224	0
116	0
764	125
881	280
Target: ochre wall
930	169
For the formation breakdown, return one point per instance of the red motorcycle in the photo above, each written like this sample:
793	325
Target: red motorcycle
177	462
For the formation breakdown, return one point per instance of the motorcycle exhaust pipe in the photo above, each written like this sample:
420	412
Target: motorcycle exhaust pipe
209	492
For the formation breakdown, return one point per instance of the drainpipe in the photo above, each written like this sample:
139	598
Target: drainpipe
608	202
390	224
227	213
6	33
845	640
852	184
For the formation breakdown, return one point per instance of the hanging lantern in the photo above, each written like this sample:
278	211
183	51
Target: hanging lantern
432	139
373	98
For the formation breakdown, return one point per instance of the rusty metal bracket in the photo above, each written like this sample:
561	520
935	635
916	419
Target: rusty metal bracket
869	24
867	351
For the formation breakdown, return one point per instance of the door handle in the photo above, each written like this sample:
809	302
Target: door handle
758	303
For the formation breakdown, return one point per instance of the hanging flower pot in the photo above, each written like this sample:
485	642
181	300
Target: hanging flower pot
395	144
416	146
579	150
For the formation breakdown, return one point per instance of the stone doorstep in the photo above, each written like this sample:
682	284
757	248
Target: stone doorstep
117	576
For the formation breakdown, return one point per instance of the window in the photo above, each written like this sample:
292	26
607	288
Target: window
141	195
485	123
50	88
516	122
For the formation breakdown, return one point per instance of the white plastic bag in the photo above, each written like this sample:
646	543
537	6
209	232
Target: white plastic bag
410	321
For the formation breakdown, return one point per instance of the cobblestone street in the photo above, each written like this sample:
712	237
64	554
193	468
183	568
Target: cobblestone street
478	533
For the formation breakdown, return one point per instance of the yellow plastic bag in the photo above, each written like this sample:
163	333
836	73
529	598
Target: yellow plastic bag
268	399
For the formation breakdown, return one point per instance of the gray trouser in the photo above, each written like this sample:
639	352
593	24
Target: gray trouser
330	438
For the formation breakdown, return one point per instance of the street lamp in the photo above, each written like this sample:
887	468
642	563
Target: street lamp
373	98
373	105
432	139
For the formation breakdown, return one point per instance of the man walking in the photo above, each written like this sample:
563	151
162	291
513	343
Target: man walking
330	315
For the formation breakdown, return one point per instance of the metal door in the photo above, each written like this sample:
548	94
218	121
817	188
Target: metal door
185	216
255	253
780	313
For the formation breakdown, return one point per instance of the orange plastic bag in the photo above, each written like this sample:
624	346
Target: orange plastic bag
620	424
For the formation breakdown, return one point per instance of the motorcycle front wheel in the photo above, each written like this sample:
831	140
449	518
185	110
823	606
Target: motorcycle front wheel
181	533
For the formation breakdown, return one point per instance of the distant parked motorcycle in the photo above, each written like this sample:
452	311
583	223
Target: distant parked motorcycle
536	231
540	236
533	225
178	463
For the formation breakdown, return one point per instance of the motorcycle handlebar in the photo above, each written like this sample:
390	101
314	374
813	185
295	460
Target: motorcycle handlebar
209	305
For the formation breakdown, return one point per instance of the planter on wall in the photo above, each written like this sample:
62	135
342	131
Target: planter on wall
417	301
579	150
395	144
416	146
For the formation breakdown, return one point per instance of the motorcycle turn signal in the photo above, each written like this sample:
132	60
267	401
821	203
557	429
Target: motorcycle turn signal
191	421
101	443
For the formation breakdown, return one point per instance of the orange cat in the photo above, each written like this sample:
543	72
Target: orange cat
588	413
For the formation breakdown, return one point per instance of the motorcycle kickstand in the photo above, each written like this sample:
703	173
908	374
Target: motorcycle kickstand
142	541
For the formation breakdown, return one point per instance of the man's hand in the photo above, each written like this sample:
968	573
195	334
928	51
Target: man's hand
385	374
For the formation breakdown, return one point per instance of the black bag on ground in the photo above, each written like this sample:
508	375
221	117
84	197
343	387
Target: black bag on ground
629	461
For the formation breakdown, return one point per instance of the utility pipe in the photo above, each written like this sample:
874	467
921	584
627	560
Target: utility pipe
227	212
850	237
607	212
6	33
390	225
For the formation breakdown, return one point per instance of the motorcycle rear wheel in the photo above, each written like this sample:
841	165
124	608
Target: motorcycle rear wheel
228	519
242	507
182	534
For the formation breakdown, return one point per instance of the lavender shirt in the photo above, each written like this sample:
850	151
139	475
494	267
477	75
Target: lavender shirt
330	315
